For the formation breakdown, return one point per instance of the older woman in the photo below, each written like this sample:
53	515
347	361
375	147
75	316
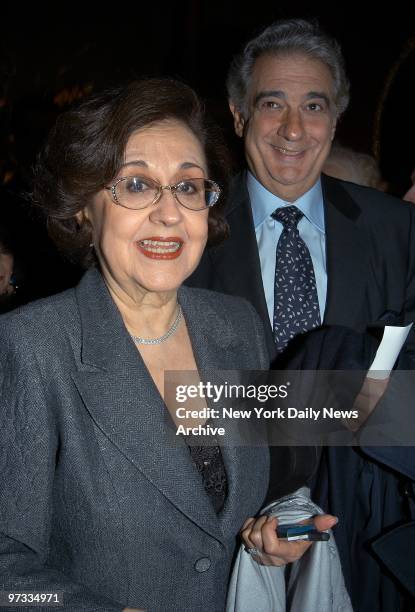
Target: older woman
96	505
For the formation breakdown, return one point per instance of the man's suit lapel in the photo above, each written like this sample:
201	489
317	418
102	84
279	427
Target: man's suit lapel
347	257
123	401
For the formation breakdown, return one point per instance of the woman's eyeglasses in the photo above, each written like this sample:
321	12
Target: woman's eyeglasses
137	192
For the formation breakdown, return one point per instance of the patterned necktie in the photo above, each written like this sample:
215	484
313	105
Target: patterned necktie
296	307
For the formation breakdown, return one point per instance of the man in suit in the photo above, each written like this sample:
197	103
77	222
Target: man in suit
287	91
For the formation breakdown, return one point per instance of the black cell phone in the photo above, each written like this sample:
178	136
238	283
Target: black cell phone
293	532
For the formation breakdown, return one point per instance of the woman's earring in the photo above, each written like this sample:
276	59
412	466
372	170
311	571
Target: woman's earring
13	284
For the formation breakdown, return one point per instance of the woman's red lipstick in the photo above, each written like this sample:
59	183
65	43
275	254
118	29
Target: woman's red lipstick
157	247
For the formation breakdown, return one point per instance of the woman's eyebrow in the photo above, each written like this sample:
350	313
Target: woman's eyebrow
142	164
135	162
186	165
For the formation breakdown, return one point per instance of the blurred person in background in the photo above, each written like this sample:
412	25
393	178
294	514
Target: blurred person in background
6	272
348	165
10	270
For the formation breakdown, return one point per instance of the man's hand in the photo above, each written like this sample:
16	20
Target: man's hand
261	534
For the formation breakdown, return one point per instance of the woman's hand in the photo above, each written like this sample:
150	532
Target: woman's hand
261	534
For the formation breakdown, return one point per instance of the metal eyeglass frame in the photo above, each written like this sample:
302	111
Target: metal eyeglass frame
172	188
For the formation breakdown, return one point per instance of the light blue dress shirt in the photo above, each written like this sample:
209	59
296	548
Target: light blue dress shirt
268	231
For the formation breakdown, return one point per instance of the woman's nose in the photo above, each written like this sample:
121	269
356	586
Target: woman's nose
167	210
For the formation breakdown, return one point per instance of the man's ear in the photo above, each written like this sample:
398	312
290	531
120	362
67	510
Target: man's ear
238	119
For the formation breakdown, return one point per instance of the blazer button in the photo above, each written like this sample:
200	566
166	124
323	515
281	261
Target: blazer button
203	564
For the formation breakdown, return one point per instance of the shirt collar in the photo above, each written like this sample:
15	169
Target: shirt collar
264	203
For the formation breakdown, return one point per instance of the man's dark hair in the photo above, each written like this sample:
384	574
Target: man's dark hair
288	37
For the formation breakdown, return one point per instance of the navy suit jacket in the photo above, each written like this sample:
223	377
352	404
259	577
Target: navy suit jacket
93	501
370	256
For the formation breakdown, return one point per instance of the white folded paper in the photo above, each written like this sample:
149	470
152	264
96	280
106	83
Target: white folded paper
393	340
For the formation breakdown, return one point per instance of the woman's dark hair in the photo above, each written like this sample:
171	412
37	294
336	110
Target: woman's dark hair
85	151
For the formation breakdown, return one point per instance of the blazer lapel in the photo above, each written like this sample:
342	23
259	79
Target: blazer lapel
347	257
216	351
122	399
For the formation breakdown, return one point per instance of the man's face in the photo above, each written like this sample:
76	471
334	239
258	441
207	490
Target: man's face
291	123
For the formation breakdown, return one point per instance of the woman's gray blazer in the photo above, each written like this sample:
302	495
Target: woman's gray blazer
93	502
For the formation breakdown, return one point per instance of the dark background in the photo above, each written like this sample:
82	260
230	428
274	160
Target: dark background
50	55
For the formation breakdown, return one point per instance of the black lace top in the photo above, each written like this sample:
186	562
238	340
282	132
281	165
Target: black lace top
209	462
